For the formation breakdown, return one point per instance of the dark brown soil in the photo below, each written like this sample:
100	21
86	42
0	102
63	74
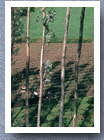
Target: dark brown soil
53	52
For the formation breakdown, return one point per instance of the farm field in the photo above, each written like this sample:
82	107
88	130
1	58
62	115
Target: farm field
57	27
52	91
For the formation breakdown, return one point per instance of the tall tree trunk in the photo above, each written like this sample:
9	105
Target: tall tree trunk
63	67
41	70
27	68
77	65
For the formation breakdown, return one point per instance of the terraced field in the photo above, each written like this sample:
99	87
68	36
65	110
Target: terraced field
52	91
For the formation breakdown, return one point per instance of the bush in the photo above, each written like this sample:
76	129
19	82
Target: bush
24	11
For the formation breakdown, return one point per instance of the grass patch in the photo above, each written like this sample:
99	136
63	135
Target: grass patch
54	40
50	113
59	24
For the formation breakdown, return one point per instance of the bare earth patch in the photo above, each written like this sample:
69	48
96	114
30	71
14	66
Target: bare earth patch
53	52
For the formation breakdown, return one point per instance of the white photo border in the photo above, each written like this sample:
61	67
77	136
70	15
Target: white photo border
96	128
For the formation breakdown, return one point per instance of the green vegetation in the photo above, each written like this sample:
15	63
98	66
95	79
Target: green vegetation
50	117
58	25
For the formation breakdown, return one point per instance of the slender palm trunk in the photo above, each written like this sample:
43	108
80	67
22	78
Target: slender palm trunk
41	70
63	67
27	68
77	65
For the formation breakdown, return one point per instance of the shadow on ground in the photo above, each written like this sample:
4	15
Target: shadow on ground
51	97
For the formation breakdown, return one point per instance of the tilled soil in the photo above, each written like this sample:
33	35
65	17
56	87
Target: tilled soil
53	52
